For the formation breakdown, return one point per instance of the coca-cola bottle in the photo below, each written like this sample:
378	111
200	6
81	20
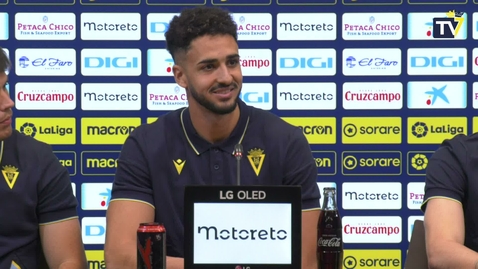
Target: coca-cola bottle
330	249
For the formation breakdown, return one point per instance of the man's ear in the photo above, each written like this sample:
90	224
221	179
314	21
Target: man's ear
180	76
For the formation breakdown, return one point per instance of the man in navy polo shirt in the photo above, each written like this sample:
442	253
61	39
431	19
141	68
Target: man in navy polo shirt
195	145
37	209
450	204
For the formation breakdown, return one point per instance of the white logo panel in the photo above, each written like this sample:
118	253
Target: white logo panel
45	96
372	26
377	229
306	26
166	96
385	195
110	96
415	194
45	62
256	62
306	96
372	95
306	62
93	230
258	95
372	62
111	62
45	26
110	26
436	61
4	32
253	26
157	24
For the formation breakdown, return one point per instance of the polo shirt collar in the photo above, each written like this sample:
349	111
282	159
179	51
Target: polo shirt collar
199	145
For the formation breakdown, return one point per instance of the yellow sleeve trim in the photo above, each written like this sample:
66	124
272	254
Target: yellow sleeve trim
57	221
440	197
312	209
15	265
132	200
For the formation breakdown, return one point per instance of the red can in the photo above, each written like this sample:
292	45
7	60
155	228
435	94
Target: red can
151	253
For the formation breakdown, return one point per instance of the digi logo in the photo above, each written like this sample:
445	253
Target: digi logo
448	27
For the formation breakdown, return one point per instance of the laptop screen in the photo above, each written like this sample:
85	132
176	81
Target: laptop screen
242	227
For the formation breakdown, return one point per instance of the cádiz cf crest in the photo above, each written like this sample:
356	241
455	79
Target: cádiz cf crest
10	173
256	157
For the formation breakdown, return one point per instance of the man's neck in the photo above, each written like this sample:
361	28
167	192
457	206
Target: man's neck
213	127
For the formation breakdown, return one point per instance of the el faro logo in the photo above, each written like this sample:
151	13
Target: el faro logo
107	131
53	131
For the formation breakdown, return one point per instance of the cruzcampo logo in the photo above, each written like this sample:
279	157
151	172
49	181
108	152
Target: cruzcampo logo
10	173
256	158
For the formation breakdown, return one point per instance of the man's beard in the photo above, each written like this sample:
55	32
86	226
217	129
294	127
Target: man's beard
220	110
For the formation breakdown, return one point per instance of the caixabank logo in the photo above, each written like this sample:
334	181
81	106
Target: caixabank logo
107	131
433	130
53	131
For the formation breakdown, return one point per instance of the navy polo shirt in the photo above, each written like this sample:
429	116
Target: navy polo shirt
159	159
35	189
452	173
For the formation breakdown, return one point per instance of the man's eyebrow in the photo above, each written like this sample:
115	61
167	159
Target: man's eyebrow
210	61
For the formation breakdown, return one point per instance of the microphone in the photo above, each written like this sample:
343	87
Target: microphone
238	154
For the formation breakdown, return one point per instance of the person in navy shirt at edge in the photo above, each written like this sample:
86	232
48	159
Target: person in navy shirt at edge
38	219
450	204
194	145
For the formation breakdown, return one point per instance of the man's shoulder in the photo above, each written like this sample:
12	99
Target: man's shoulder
272	124
25	143
460	146
157	129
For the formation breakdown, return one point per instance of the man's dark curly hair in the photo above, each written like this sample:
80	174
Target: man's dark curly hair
196	22
4	61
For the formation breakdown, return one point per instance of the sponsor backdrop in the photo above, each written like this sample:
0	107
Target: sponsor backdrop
375	85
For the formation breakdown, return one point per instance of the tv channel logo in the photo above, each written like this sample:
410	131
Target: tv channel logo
436	94
372	130
93	230
433	130
111	62
306	62
157	24
422	25
95	196
450	26
316	130
257	94
371	163
436	61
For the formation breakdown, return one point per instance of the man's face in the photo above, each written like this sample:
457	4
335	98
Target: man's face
211	73
6	105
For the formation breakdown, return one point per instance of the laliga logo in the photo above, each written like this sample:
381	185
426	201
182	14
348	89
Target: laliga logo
419	161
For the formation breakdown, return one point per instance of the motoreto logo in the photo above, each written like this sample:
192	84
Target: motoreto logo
233	233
